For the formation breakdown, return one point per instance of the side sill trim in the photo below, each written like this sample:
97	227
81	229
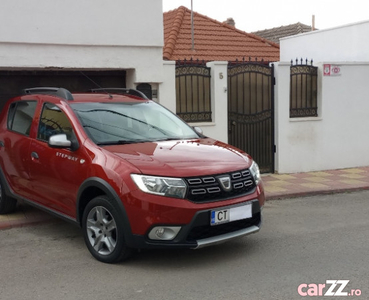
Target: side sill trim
50	211
226	237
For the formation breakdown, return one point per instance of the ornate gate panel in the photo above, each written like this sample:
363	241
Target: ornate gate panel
251	111
193	91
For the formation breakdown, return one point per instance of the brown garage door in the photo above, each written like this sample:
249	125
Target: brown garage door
12	82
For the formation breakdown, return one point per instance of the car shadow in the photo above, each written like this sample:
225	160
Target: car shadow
184	258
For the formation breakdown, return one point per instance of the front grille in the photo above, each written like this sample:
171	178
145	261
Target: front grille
206	231
219	187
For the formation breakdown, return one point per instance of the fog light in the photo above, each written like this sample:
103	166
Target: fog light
160	232
164	233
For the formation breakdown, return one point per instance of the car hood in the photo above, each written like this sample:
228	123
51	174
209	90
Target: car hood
182	158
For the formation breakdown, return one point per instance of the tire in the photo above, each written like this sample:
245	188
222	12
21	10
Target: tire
7	204
103	231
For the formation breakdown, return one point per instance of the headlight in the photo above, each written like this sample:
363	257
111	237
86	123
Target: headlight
163	186
254	169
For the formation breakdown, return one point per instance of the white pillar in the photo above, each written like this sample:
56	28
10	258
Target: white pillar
219	101
281	113
167	88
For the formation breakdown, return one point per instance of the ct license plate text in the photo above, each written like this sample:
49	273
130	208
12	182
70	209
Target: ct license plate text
225	215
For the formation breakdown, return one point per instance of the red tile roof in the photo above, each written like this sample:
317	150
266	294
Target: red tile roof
274	34
214	41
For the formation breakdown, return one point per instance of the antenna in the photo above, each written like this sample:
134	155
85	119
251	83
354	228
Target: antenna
192	27
95	83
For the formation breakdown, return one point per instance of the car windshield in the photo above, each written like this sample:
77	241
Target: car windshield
127	122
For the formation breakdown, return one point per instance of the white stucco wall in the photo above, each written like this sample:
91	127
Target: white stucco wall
344	43
82	22
337	137
84	34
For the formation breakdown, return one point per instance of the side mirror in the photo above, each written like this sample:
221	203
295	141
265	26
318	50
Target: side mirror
198	130
61	141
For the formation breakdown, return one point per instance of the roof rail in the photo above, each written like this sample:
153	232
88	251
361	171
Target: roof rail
59	92
123	91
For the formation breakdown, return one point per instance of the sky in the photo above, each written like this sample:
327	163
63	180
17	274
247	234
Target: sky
266	14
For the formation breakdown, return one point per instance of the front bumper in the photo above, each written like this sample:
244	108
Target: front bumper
226	237
199	233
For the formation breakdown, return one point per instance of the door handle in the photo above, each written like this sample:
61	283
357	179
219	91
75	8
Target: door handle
2	144
34	155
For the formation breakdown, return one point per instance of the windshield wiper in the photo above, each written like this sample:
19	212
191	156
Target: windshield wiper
129	117
174	139
120	142
169	139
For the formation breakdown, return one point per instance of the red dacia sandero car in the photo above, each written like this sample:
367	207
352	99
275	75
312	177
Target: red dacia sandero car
128	171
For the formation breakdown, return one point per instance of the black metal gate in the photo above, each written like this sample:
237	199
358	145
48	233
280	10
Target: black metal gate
251	111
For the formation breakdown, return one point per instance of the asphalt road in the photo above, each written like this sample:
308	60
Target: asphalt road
303	241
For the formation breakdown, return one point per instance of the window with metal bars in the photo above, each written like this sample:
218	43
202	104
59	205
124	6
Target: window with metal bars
303	90
193	91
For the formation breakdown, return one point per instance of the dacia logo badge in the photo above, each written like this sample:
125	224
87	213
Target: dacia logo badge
225	182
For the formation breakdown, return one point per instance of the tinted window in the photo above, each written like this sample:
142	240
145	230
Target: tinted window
53	121
20	116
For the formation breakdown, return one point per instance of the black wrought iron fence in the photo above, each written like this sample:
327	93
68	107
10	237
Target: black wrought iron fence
303	89
193	91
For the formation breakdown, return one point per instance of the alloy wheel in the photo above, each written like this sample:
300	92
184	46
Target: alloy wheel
101	230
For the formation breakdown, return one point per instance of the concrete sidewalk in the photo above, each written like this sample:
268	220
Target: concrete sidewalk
277	186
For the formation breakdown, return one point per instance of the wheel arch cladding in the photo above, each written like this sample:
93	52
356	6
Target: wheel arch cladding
95	186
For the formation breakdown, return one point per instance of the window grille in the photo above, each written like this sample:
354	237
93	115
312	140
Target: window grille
193	91
303	90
